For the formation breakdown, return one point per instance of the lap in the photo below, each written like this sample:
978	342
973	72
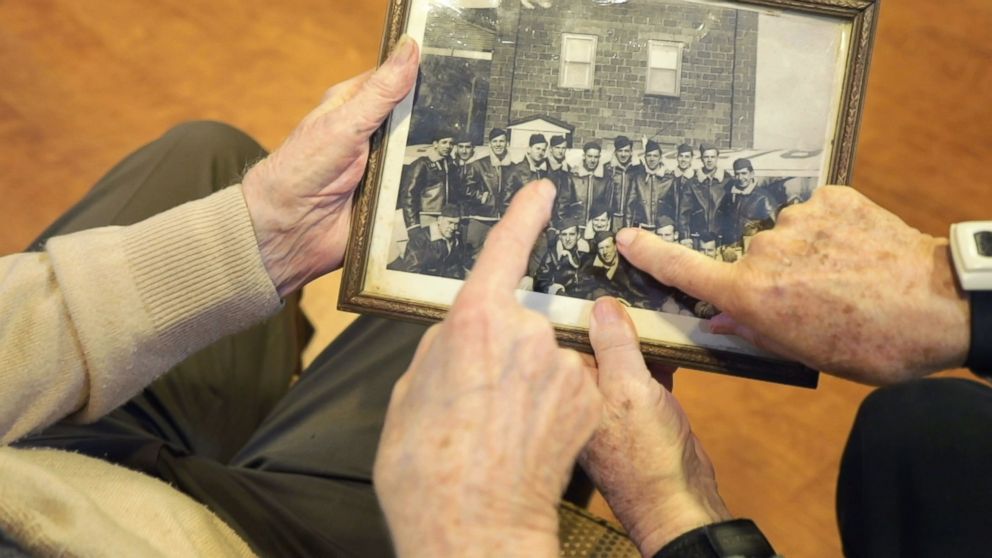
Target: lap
188	162
302	485
914	477
289	469
211	402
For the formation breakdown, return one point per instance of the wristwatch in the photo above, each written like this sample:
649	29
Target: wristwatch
971	250
737	538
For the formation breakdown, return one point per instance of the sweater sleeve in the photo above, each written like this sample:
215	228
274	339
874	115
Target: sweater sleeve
99	314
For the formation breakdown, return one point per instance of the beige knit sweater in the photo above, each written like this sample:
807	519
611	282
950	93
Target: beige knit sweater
84	326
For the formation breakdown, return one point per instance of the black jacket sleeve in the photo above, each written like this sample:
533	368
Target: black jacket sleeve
413	175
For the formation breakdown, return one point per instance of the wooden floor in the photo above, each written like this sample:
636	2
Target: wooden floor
84	82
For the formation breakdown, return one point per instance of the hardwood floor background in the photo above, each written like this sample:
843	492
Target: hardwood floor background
84	82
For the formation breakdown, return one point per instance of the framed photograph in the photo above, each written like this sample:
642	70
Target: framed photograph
695	119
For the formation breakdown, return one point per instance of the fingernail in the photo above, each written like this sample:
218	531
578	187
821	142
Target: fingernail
547	189
402	50
626	236
719	324
607	311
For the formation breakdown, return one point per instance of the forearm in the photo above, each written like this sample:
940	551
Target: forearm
449	538
660	523
735	537
466	522
101	313
952	305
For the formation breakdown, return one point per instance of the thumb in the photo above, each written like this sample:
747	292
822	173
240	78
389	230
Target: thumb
376	96
678	266
614	340
342	93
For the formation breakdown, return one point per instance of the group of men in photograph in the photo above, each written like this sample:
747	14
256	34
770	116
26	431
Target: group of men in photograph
450	200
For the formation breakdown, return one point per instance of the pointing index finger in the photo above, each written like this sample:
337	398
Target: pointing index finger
504	257
679	266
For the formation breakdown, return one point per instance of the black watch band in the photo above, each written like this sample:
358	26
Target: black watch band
980	349
739	538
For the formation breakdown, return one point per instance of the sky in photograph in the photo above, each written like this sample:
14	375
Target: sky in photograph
796	88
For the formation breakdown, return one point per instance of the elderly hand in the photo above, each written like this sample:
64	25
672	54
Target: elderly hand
644	457
300	196
839	284
484	427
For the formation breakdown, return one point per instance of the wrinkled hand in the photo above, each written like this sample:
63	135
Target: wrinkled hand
300	196
839	284
644	457
484	427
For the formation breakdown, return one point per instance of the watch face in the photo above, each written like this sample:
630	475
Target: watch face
983	240
971	250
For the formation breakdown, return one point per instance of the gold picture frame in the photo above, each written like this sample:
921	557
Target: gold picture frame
676	61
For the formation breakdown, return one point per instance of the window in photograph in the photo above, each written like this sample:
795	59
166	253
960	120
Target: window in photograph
578	61
664	68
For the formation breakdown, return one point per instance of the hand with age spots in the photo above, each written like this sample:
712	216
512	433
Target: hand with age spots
839	284
484	427
644	457
299	197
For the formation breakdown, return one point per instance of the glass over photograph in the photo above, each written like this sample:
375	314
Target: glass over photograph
695	120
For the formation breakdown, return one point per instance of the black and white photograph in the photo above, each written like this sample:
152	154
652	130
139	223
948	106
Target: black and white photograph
695	120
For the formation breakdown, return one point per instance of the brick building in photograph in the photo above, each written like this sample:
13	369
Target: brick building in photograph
710	52
671	70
